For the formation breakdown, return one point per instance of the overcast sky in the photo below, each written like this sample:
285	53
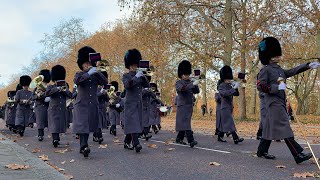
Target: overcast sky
23	23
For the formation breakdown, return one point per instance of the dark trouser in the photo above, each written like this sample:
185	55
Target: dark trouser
189	134
21	128
55	136
132	138
146	130
40	132
98	134
83	140
259	133
293	146
113	128
154	127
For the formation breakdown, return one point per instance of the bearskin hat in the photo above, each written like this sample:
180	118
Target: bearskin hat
58	72
104	73
19	87
46	74
184	68
83	55
11	94
154	85
132	56
25	80
226	73
115	84
149	78
269	47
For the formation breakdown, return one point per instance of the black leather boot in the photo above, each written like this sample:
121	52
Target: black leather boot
236	141
138	148
128	146
85	151
193	143
55	143
40	138
265	155
302	157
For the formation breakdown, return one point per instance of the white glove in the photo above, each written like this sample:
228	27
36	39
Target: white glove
24	101
282	86
92	70
47	99
195	83
75	86
59	88
139	74
117	105
102	91
235	85
314	65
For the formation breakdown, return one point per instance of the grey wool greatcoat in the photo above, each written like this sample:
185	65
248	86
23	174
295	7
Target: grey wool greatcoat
23	110
122	112
146	105
227	122
86	106
40	110
276	126
69	113
263	110
154	118
133	102
114	113
10	114
185	98
57	109
103	99
217	98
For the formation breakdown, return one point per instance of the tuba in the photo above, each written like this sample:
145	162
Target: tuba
114	99
37	82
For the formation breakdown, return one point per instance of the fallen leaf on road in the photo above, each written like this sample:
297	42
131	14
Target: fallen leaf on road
313	161
101	174
36	150
1	139
303	175
103	146
17	166
62	151
72	160
55	167
15	140
44	157
280	166
63	162
214	164
49	136
116	140
171	149
26	144
254	155
68	176
169	141
154	146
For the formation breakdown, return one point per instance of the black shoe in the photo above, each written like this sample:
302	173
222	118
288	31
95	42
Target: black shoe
100	140
216	132
85	151
128	146
40	138
193	143
21	133
228	134
302	157
31	125
138	148
236	141
10	128
147	137
259	137
156	131
14	131
265	155
159	127
220	139
181	142
95	139
55	143
77	136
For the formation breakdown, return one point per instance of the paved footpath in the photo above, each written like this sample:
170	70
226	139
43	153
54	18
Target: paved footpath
159	158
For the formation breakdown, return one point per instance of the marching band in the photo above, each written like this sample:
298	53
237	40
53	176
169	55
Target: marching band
95	104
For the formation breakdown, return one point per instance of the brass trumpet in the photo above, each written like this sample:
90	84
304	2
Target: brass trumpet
114	99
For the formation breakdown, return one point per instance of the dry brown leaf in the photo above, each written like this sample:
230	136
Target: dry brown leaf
62	151
303	175
68	176
72	160
36	150
1	139
101	174
14	140
26	144
63	162
17	166
103	146
55	167
171	149
116	140
214	164
44	157
154	146
280	166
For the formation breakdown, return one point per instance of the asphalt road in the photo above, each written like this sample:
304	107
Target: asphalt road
166	161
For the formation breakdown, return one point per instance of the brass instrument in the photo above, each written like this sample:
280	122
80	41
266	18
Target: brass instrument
11	102
62	84
113	98
37	82
102	65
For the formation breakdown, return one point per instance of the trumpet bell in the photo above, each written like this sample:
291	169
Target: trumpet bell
36	81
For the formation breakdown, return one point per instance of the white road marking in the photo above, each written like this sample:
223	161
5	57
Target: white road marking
196	147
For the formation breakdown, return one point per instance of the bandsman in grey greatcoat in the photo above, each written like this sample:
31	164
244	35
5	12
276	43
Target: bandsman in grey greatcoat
227	89
186	90
24	100
147	94
41	104
103	98
155	103
217	99
271	81
134	81
10	111
114	108
86	106
58	93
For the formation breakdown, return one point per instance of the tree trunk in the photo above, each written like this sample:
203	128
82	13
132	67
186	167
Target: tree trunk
253	101
318	55
204	91
228	32
299	110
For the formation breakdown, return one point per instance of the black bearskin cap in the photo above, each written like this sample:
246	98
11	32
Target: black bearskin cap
226	73
19	87
25	80
11	94
132	56
83	55
115	84
46	74
154	85
105	74
184	68
149	78
58	72
269	47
